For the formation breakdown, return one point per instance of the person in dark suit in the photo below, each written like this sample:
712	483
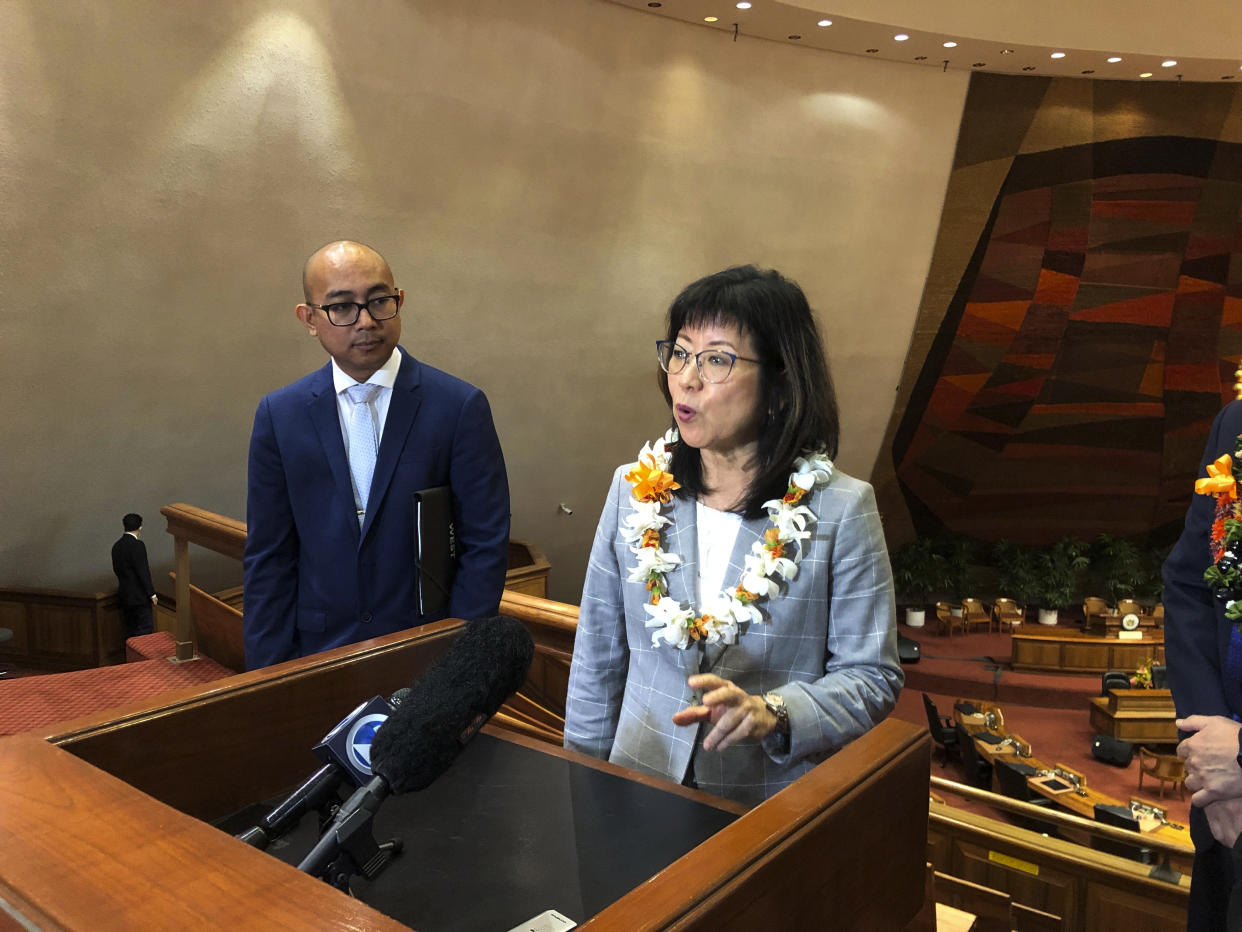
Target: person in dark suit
335	460
133	578
1203	650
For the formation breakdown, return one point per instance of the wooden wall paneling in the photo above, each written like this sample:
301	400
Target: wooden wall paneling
990	907
13	617
1050	875
853	861
1038	885
188	760
1111	908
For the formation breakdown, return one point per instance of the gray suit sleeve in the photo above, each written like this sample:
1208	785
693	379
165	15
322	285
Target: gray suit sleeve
862	673
601	654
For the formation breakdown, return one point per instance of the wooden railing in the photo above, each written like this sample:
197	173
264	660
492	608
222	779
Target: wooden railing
190	525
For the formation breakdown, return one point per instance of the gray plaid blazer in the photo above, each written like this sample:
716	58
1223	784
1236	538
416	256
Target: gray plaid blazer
829	649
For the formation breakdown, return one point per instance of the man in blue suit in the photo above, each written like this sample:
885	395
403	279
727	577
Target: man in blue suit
335	461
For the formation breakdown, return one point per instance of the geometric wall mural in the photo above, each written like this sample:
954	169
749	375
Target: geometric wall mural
1093	336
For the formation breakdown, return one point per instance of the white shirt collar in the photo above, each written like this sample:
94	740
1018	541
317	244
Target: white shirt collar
385	375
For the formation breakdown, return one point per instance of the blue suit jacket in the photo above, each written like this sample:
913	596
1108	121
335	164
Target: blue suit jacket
313	578
1196	632
1196	648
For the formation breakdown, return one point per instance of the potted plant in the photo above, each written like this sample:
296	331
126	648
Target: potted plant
1121	566
1058	567
918	570
957	553
1017	573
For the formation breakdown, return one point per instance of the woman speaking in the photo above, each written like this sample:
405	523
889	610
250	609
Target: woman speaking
737	622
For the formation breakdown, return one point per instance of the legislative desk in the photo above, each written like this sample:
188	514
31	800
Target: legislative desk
1065	650
993	743
106	822
1141	716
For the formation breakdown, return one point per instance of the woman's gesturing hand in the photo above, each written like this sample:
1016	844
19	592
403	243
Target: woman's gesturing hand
736	714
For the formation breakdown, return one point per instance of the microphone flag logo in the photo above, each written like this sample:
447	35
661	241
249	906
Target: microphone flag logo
358	744
348	745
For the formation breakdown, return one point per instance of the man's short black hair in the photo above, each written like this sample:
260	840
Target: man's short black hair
131	522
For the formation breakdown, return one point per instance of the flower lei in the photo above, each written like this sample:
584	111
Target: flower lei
1225	573
778	554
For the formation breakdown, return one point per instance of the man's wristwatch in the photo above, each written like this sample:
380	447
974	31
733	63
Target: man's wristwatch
775	704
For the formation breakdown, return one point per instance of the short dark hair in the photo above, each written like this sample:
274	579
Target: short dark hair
131	522
795	387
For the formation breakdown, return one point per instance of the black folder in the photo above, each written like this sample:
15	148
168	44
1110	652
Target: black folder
435	544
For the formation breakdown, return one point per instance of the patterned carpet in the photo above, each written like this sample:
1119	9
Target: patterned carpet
36	701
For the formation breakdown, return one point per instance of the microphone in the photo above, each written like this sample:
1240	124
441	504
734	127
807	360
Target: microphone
451	701
443	710
345	751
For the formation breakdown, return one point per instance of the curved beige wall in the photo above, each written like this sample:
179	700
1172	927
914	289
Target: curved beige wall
543	175
1199	29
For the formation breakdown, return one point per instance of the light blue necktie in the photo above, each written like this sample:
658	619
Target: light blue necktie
362	443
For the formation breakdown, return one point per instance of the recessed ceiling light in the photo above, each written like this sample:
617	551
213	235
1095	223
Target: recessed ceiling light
1057	55
950	45
744	5
900	37
795	37
1145	74
920	58
824	22
978	64
709	19
654	3
1006	51
871	51
1089	71
1029	68
1168	64
1114	59
1226	77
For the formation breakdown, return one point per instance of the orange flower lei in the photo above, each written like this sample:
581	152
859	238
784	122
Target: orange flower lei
778	554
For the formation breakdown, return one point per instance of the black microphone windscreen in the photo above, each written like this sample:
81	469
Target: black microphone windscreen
484	666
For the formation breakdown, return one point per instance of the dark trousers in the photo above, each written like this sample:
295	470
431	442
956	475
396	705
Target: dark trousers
1214	903
139	619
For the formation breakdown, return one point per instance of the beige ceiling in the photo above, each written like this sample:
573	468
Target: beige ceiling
1204	37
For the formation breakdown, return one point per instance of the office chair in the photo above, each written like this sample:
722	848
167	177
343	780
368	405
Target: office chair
941	729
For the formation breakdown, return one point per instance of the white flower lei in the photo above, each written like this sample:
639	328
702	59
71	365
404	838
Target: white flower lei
724	613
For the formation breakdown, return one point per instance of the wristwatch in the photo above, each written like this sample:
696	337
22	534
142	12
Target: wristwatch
775	704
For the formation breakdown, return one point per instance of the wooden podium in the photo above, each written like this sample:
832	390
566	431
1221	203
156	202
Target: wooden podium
102	818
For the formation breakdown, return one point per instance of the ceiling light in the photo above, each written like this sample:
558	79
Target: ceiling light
1145	74
709	19
900	37
1168	64
1057	55
795	37
744	5
950	45
1114	59
1006	51
824	22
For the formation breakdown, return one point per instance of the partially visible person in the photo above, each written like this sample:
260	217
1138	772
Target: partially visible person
737	622
335	460
133	578
1203	653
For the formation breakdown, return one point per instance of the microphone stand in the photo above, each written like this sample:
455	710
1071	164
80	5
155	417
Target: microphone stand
348	847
